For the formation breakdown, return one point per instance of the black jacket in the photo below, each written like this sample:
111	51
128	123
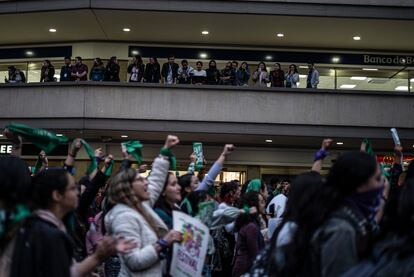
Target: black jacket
152	73
164	71
66	73
112	73
41	250
47	74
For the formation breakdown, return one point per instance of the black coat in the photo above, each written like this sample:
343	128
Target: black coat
41	250
112	73
164	71
152	73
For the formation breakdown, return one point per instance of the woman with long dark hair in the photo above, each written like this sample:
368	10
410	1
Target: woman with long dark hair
152	71
136	69
292	76
261	76
249	238
327	231
97	72
47	73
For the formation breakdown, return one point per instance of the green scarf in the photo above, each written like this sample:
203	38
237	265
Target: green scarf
254	185
168	153
41	138
37	166
368	147
91	154
134	148
108	170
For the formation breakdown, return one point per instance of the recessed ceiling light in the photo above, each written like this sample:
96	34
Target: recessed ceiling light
1	135
370	69
52	30
124	136
268	57
402	88
205	32
357	38
280	35
359	78
303	66
269	140
336	59
347	86
135	52
303	76
340	143
29	53
126	29
59	135
203	55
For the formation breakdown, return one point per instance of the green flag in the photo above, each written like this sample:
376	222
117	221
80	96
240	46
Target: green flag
45	140
134	147
91	154
368	147
168	153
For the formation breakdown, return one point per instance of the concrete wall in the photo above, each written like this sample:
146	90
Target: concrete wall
237	110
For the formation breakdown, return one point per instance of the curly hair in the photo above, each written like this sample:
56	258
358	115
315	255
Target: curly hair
120	192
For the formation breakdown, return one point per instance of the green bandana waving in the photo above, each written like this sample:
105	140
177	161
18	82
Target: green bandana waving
41	138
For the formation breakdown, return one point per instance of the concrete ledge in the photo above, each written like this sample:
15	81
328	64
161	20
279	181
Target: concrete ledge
207	109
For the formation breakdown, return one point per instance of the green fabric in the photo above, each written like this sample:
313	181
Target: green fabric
277	191
37	166
205	212
91	154
134	148
386	170
246	209
368	147
22	211
41	138
168	153
254	185
108	170
187	205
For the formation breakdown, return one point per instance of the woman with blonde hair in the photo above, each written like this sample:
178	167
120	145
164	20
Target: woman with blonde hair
133	218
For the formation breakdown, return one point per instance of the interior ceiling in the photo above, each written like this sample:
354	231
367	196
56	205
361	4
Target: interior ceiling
294	142
225	29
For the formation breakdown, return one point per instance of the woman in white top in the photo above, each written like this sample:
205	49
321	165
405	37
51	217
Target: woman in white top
292	77
261	76
133	218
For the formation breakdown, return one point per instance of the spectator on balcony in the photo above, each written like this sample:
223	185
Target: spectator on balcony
213	74
80	70
66	70
313	76
277	76
169	71
15	76
235	67
292	77
243	75
98	70
152	71
136	69
184	73
227	75
47	73
199	76
112	70
261	76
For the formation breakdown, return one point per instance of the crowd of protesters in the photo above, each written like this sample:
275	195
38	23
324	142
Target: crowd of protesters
173	73
356	221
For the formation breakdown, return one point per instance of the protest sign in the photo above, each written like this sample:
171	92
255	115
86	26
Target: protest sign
189	255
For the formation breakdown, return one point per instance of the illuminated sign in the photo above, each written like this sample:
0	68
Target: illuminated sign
5	149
